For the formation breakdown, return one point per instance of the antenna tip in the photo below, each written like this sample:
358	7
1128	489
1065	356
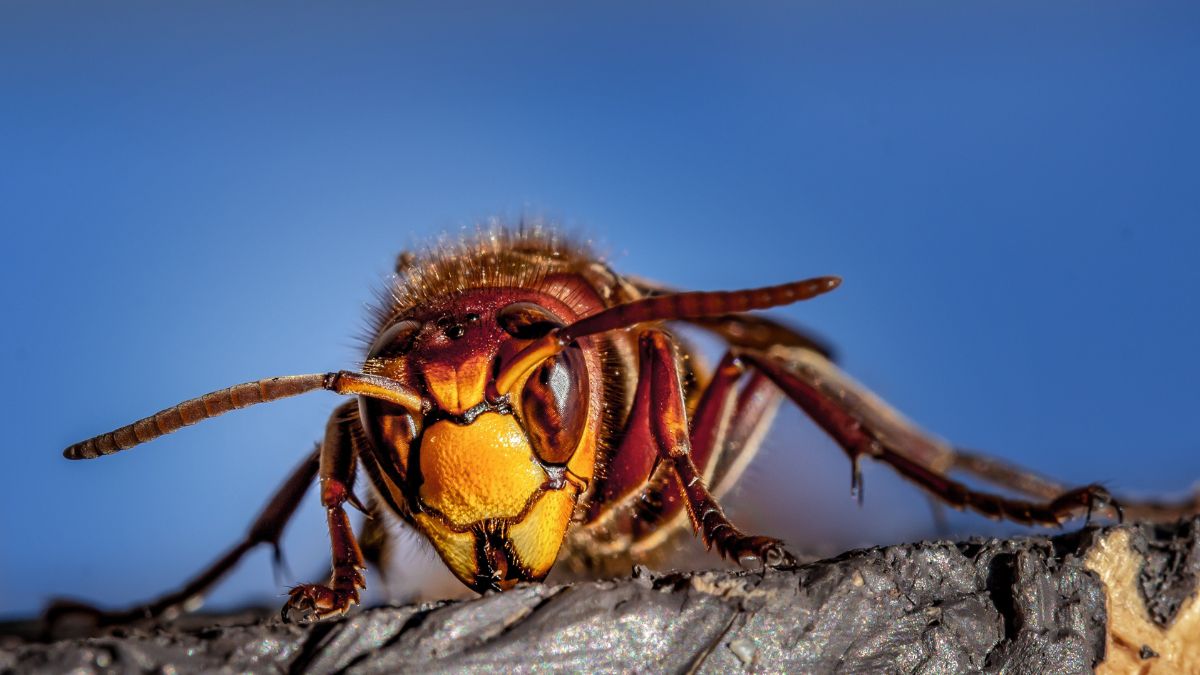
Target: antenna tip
826	284
79	451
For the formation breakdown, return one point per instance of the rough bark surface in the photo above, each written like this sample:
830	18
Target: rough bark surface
1029	605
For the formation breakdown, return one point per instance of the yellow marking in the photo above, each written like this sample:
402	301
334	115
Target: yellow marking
396	435
538	536
583	461
526	360
457	549
1129	624
442	379
457	388
483	470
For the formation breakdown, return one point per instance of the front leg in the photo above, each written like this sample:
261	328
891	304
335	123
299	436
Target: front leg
314	602
661	384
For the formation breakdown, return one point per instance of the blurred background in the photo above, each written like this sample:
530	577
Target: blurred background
194	194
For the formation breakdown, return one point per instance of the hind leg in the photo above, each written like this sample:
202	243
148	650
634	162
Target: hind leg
1026	482
864	426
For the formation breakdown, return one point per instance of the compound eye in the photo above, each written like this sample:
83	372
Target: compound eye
395	341
527	321
554	405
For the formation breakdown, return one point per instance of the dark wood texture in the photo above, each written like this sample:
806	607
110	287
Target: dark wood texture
1021	606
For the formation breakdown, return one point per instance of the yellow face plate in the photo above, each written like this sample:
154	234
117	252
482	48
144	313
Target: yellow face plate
457	549
538	536
481	471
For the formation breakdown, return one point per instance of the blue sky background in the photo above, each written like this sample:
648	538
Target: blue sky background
193	195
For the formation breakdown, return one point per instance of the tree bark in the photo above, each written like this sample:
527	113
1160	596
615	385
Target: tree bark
1117	599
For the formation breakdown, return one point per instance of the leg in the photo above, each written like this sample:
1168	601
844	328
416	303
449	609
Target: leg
1002	474
863	425
754	411
1025	482
757	333
313	602
374	540
669	434
266	529
727	429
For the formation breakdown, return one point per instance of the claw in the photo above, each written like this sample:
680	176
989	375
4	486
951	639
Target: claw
352	499
308	603
1116	507
771	552
856	480
1091	498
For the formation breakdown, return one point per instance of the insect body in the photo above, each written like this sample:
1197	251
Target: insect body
520	403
